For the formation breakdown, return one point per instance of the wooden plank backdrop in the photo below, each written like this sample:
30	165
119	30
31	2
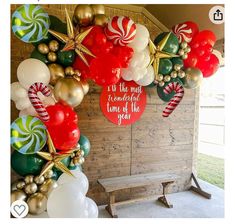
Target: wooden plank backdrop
151	144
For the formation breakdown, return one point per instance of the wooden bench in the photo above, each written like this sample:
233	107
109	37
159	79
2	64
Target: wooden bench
114	184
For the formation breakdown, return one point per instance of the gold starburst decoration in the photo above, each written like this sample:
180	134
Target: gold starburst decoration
73	39
54	159
156	53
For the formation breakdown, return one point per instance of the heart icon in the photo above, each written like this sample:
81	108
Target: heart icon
19	209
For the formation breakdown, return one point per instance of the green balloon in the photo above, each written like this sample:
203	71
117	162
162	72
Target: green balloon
172	44
42	57
167	97
75	167
165	66
66	58
151	85
26	164
85	145
177	61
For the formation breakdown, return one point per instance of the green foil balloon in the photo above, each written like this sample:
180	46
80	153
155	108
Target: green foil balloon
177	61
66	58
165	66
172	44
42	57
30	23
85	145
26	164
167	97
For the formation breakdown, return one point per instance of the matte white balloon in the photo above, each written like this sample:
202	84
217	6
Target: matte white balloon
23	103
148	77
139	44
141	31
92	208
126	74
79	181
17	91
28	111
32	70
66	202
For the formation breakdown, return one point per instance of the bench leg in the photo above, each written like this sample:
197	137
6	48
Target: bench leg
163	198
111	209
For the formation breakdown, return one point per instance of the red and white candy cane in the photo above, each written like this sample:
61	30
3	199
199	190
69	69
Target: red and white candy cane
179	93
35	100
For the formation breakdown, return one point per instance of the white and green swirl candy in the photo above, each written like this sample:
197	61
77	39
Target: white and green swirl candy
28	134
30	23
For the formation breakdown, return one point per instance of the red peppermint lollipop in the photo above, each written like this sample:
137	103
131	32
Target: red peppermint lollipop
121	30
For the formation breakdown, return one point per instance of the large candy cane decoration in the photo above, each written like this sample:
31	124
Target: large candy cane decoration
35	100
179	93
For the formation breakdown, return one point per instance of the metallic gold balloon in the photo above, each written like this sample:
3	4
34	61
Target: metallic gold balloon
184	56
30	188
20	184
43	48
57	72
37	203
181	74
39	180
69	90
29	179
193	78
51	56
48	174
85	86
173	74
54	45
83	15
160	77
98	9
100	20
18	195
161	84
167	78
48	186
69	71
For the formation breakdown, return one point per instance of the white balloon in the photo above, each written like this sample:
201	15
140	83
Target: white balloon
66	202
17	91
23	103
139	44
126	74
137	60
32	70
79	181
28	111
141	31
92	208
139	73
148	77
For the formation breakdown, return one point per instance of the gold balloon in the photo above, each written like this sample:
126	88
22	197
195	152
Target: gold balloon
69	71
30	188
37	203
100	20
98	9
51	56
18	195
193	78
57	72
54	45
48	186
43	48
48	174
83	15
85	86
69	91
29	179
39	180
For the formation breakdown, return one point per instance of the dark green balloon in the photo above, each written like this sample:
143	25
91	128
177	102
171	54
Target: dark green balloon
75	167
42	57
178	61
66	58
172	44
26	164
165	66
151	85
162	95
85	145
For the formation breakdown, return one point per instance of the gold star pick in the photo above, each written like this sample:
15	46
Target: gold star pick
73	39
54	158
156	53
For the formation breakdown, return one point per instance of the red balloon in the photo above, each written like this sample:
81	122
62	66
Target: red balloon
105	70
208	68
82	67
70	115
191	60
56	114
124	55
204	37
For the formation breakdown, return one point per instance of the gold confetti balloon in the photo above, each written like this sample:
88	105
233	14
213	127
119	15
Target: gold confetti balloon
37	203
193	78
56	72
18	195
83	15
98	9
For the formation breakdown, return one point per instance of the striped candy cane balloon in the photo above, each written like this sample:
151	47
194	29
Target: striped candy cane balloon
30	23
183	32
121	30
179	93
36	102
28	134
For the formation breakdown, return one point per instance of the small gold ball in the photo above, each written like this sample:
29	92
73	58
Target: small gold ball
39	180
161	84
20	185
43	48
69	71
183	45
181	74
30	188
160	77
167	78
52	56
75	160
29	179
184	56
48	174
187	49
82	153
81	160
181	52
173	74
54	45
177	67
18	195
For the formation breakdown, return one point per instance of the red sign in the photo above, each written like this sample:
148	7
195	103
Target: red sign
123	103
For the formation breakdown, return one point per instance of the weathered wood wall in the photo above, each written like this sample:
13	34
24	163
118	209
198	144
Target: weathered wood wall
152	144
